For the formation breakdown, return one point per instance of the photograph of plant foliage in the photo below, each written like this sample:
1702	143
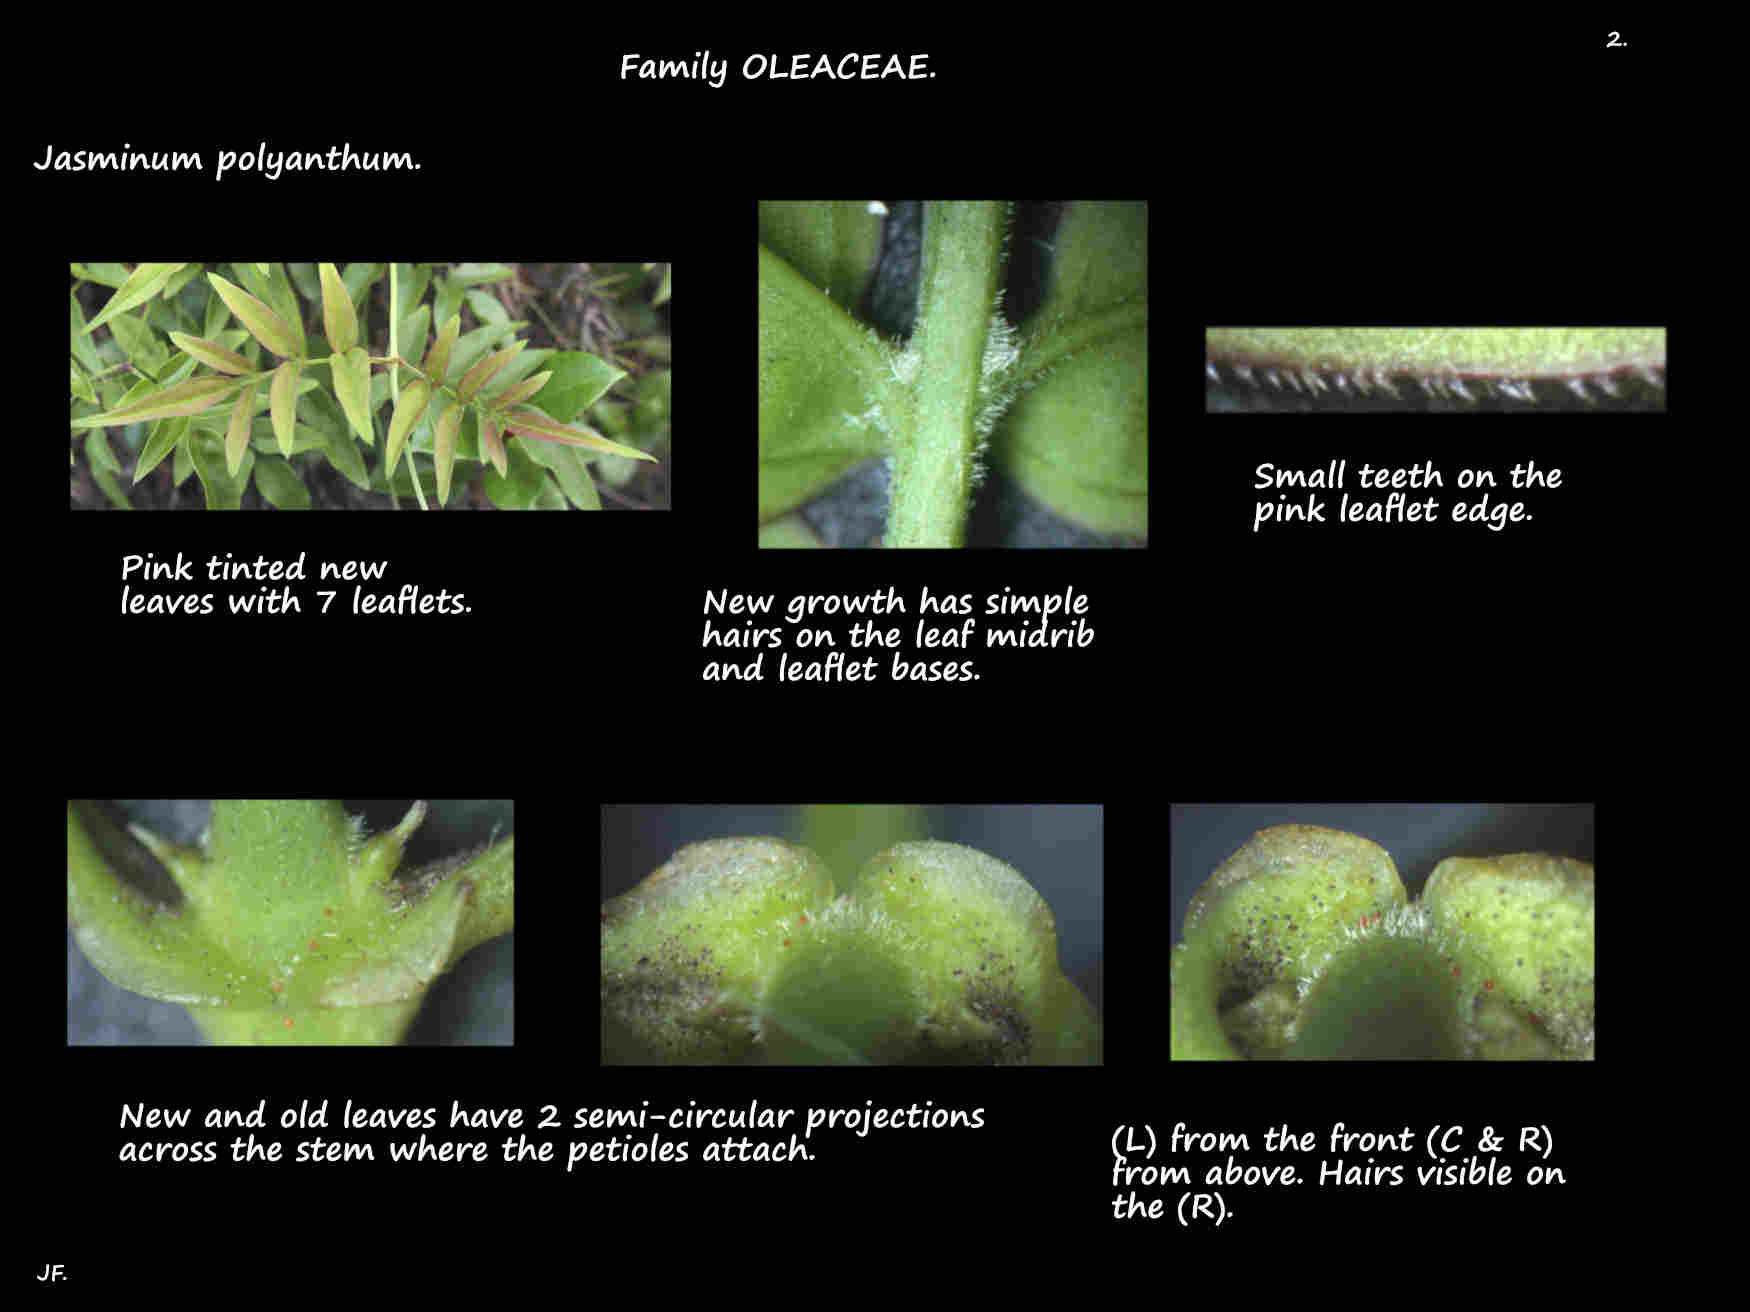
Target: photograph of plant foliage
316	386
946	360
291	922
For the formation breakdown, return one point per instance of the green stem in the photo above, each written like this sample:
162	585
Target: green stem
934	438
394	377
386	1024
395	381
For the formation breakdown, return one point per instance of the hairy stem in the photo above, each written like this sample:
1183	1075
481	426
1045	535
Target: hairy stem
934	438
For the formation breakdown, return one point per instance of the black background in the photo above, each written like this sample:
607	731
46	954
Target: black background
1328	665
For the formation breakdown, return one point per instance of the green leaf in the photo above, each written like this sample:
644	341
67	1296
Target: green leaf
352	385
579	381
413	280
212	354
835	244
131	391
444	448
223	490
216	319
188	398
275	290
574	479
280	484
470	274
121	928
474	346
98	453
305	279
547	497
110	275
530	422
407	412
82	347
166	436
79	384
492	438
477	377
414	330
338	316
1077	440
520	486
570	468
426	939
437	364
283	404
104	469
324	428
255	315
822	382
138	342
487	308
179	279
237	435
361	277
520	391
146	281
791	531
1101	258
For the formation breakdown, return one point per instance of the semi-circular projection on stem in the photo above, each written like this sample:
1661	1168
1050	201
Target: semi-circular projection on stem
744	951
1303	945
